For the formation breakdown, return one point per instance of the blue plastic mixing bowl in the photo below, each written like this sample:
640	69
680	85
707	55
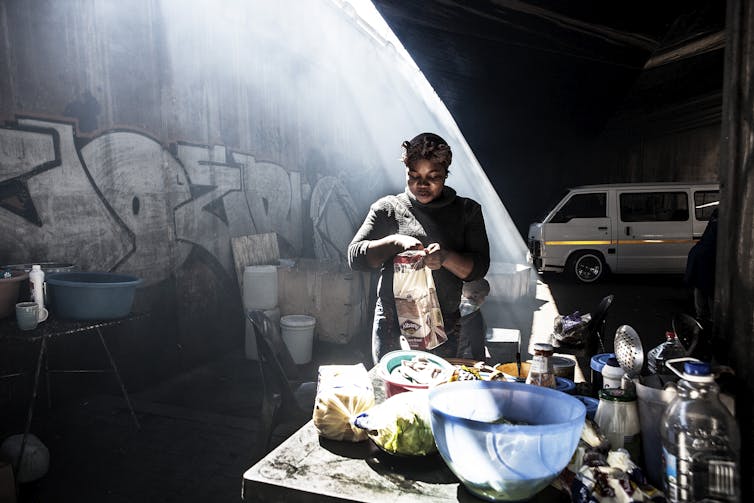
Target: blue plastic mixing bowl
496	460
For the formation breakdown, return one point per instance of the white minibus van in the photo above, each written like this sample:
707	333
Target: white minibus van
622	228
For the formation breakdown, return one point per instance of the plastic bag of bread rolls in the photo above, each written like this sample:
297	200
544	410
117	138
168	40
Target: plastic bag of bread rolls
343	392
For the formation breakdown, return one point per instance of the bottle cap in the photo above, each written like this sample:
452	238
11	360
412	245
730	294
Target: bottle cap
670	334
697	368
543	346
36	267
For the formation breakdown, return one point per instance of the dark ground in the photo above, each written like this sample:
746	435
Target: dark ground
198	428
646	302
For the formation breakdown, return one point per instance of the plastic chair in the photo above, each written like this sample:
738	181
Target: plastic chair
596	327
284	399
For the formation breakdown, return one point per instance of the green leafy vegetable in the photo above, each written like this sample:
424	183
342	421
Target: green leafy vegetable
402	423
409	434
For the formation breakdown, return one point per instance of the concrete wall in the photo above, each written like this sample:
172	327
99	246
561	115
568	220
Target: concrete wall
141	136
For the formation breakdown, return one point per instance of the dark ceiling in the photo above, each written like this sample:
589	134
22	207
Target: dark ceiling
560	63
525	76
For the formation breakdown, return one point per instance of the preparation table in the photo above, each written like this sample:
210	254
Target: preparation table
307	468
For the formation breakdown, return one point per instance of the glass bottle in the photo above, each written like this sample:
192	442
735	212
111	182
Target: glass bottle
657	356
700	441
541	372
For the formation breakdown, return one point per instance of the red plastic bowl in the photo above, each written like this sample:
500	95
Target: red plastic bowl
393	359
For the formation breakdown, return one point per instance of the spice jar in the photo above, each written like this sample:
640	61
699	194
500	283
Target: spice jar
541	372
618	419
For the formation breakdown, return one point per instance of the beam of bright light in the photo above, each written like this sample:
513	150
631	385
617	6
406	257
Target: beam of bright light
320	84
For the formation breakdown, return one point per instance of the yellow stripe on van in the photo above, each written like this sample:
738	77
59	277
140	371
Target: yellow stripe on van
577	243
621	242
654	241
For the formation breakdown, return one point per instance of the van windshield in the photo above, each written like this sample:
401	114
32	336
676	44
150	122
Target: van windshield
554	199
586	205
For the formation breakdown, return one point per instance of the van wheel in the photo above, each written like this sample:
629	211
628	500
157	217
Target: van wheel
587	267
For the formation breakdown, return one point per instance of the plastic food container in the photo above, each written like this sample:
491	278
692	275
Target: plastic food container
391	360
91	295
590	404
563	367
564	385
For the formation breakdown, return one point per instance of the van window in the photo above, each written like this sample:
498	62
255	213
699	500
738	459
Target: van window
654	207
592	205
703	203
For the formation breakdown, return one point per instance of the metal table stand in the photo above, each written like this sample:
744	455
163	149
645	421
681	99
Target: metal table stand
48	330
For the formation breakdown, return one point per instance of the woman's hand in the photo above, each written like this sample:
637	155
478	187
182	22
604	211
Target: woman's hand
404	243
458	264
434	256
383	249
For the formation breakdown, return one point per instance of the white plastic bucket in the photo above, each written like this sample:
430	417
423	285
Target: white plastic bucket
250	341
260	287
298	334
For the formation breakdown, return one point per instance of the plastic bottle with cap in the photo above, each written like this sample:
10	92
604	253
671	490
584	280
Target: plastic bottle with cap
612	373
37	280
700	440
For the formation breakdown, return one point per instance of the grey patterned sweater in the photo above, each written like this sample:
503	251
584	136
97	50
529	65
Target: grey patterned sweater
455	222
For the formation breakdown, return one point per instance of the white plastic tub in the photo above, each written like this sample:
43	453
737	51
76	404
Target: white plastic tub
297	331
260	287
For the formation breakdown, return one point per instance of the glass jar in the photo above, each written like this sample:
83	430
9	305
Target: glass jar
541	372
618	419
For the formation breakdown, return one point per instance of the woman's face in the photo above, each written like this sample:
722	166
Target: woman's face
425	180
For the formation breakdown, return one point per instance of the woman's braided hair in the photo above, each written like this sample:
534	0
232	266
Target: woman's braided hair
427	146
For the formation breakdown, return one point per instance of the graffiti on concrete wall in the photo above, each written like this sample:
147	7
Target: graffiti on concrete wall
123	202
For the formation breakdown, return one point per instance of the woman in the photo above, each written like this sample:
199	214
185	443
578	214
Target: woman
427	216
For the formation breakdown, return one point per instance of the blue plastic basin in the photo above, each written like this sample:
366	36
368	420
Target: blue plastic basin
91	295
505	462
